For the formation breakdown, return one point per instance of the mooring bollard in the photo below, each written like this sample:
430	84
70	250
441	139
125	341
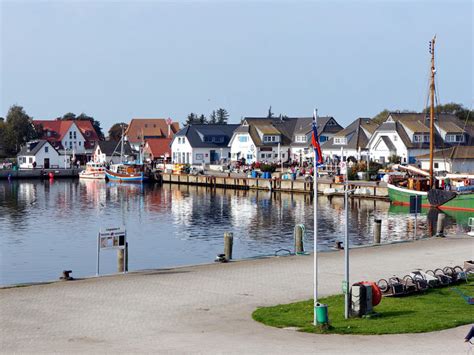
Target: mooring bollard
377	230
228	241
299	248
122	259
440	225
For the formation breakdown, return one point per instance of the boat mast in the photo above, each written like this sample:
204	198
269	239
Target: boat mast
121	145
432	92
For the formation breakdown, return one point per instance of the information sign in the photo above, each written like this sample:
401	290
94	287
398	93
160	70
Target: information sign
111	238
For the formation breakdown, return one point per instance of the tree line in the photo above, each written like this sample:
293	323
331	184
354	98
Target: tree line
219	116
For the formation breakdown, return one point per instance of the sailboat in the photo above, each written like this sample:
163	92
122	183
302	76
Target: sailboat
127	171
461	199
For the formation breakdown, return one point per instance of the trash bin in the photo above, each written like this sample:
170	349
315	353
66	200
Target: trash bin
321	313
254	174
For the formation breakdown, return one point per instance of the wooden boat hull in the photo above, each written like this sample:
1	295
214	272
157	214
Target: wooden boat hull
401	196
138	177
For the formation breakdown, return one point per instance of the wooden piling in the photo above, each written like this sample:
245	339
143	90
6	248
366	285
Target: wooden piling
121	255
440	225
228	243
299	248
377	231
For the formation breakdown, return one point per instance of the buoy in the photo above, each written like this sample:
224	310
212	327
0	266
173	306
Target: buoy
51	175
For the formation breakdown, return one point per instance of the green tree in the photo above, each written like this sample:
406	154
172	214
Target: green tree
68	116
115	132
18	129
456	109
222	116
381	116
202	119
192	118
270	113
213	117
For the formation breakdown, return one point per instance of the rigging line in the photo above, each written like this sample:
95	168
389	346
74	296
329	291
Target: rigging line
438	116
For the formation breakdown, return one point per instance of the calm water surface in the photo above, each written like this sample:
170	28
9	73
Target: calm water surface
47	227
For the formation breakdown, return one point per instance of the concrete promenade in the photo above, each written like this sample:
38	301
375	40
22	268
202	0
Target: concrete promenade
207	309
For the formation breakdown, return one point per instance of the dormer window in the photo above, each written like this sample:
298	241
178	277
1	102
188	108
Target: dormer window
340	140
270	139
455	138
421	138
300	139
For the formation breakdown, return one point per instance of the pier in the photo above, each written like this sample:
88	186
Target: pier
208	308
377	190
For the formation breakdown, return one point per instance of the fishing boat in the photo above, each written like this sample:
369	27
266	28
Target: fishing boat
93	171
458	197
126	172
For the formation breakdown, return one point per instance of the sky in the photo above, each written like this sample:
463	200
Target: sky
115	60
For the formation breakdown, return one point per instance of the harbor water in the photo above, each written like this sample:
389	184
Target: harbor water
49	226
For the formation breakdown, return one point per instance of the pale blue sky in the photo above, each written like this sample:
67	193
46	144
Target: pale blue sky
118	60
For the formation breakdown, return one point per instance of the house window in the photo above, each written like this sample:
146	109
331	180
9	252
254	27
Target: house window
300	139
70	135
79	143
340	140
276	155
436	165
455	138
421	138
395	137
30	160
322	139
268	139
249	156
70	145
46	149
262	155
243	139
75	135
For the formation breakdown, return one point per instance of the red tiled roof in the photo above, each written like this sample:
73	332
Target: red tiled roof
149	127
158	147
58	128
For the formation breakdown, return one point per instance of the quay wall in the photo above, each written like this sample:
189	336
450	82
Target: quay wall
377	190
38	173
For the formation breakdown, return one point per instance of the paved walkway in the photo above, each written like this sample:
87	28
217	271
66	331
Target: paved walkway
208	308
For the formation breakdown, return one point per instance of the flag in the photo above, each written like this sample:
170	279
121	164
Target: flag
315	141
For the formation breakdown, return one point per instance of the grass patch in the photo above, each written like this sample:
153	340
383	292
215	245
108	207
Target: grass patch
434	310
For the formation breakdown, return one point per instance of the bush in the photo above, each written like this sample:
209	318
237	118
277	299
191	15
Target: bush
268	168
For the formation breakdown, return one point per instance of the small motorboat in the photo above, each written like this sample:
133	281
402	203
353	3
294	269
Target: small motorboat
93	171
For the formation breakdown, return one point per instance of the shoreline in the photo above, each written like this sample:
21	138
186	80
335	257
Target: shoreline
233	261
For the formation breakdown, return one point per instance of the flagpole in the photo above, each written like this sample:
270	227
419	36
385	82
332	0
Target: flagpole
315	228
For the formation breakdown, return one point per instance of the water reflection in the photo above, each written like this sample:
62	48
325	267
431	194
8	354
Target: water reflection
47	226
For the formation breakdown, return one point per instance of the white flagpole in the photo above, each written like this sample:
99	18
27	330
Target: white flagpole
315	232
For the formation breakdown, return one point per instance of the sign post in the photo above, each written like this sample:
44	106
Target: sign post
415	207
111	238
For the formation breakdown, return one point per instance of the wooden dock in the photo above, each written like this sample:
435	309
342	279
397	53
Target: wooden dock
378	190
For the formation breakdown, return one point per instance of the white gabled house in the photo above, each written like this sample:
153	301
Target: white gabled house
40	154
351	141
407	135
202	144
260	139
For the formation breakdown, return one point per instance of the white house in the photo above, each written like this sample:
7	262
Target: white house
41	154
407	135
109	152
457	159
351	141
301	138
202	144
261	139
